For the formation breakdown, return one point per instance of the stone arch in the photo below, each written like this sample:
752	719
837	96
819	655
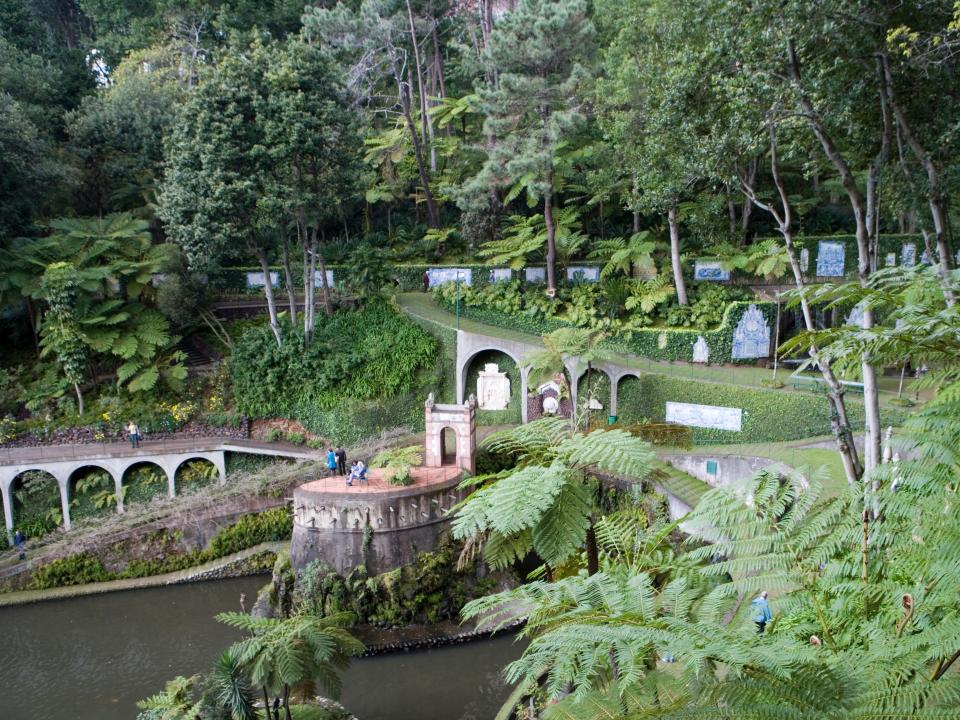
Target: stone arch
194	472
448	446
506	363
142	481
627	406
96	499
19	510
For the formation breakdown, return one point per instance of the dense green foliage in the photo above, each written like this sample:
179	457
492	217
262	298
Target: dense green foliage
356	376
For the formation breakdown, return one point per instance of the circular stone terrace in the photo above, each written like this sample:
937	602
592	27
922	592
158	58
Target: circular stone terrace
424	478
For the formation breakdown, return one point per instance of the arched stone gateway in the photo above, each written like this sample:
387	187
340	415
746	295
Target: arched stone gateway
462	420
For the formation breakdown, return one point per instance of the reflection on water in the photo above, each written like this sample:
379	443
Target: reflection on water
92	658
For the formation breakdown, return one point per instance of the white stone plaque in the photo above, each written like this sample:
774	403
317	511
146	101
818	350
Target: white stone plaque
583	274
318	278
891	259
493	388
438	276
701	351
710	270
256	279
707	416
535	274
804	259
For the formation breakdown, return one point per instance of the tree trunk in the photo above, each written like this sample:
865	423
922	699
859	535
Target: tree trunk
934	199
593	554
288	280
327	302
871	401
76	388
266	703
286	702
433	216
840	422
551	233
268	291
678	282
426	126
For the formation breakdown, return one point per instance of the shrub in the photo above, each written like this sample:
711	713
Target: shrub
315	444
272	435
295	438
270	525
71	570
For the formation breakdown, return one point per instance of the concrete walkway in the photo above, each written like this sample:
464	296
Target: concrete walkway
199	572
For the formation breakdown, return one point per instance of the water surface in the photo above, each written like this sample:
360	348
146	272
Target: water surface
92	658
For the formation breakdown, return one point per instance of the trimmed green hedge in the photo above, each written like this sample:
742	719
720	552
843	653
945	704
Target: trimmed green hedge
768	415
646	342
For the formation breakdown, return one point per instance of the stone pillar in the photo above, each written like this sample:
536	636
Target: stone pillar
614	382
118	488
220	461
7	506
574	378
171	472
64	484
524	390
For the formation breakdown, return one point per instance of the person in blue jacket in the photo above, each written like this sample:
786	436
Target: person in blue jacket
760	609
331	461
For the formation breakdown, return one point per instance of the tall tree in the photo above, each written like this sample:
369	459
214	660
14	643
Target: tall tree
540	53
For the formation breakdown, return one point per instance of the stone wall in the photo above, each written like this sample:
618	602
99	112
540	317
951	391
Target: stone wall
382	530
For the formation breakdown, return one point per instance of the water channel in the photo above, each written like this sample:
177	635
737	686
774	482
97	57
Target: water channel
92	658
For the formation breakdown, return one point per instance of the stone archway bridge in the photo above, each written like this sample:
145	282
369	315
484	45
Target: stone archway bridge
470	344
61	461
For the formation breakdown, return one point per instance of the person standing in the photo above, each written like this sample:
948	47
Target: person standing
331	462
20	543
133	431
341	460
761	612
425	280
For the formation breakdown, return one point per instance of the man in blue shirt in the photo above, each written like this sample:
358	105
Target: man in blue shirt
760	609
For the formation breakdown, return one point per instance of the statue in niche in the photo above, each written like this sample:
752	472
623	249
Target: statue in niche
751	339
855	317
493	388
701	351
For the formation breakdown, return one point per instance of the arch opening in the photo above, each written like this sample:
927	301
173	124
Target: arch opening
448	446
142	482
35	496
631	405
491	390
92	492
593	398
195	474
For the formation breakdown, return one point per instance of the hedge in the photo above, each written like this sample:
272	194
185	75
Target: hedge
677	342
768	415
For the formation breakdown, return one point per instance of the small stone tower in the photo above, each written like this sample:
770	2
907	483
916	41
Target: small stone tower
462	420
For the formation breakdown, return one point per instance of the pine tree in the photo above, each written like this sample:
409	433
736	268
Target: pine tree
539	54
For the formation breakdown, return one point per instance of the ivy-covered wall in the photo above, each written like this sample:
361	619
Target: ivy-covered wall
768	415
